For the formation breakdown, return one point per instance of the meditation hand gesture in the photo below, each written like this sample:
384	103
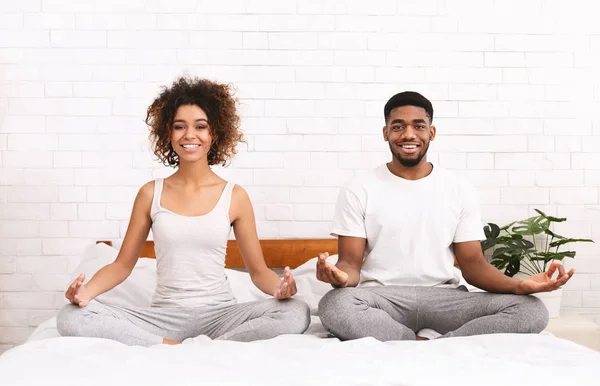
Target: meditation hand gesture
77	293
543	282
287	286
329	273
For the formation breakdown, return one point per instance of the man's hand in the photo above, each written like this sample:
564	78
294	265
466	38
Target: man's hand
287	286
77	293
543	282
329	273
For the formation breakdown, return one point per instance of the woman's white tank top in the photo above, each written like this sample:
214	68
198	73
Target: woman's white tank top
190	254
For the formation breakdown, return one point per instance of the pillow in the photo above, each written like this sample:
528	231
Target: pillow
310	289
137	290
242	287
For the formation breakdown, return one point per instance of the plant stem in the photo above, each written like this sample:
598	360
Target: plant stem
537	266
531	268
548	250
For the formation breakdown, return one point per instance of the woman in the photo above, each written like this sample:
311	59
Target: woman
194	124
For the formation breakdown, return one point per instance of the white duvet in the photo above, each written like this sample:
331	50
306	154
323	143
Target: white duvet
309	359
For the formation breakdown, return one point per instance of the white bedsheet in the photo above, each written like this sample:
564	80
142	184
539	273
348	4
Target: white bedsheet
302	360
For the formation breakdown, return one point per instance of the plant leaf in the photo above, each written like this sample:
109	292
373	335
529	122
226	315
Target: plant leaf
500	264
495	229
504	228
551	256
551	218
491	230
556	236
513	268
531	226
500	251
564	241
529	244
488	243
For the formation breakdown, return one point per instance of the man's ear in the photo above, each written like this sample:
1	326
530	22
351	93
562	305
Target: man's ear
385	133
432	131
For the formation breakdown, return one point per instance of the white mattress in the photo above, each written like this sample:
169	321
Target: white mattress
307	359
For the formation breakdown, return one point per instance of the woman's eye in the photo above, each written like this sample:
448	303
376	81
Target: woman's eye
178	127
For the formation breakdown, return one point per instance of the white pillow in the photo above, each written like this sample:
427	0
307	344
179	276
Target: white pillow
137	290
242	287
310	289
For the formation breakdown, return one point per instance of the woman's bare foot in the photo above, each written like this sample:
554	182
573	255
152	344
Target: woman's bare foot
169	341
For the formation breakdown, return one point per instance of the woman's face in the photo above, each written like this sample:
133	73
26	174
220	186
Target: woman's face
190	134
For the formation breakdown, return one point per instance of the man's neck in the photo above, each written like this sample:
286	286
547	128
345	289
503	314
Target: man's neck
421	170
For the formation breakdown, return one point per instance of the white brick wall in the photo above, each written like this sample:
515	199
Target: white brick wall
514	86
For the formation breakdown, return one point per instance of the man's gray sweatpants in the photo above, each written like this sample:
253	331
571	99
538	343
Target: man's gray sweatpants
398	312
243	322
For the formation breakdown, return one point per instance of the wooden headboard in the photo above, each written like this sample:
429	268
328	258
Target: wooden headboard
277	253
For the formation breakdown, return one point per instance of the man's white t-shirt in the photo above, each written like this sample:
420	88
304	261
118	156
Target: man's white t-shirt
409	225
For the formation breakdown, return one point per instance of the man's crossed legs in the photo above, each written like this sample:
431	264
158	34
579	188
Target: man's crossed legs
398	312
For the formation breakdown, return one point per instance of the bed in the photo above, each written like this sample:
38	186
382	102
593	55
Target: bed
309	359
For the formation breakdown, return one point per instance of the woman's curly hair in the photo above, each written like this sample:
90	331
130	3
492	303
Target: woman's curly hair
218	103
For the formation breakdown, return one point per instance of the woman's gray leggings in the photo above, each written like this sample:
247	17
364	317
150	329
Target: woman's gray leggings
243	322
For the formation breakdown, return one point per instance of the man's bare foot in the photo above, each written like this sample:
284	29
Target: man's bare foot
200	339
169	341
427	334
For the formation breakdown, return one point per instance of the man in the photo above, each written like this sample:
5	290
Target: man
399	229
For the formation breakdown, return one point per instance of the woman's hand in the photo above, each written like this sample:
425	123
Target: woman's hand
77	293
287	286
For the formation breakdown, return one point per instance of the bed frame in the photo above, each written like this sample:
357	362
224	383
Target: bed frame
278	253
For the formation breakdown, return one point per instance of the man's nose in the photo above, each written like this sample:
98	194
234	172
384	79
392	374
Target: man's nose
409	132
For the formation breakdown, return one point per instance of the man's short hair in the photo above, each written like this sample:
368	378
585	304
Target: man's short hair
408	98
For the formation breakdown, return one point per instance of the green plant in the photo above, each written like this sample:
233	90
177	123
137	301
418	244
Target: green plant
514	253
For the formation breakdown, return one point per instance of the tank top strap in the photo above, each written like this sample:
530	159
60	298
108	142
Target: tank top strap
158	187
225	199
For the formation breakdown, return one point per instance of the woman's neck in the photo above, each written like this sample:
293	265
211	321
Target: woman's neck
194	174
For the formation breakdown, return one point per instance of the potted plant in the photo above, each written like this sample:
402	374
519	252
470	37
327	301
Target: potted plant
527	247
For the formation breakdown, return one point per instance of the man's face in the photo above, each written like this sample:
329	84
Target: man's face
408	132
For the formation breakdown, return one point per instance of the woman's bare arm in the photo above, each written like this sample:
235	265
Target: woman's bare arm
244	227
116	272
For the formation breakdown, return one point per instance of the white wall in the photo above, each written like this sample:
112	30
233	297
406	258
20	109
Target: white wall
515	85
